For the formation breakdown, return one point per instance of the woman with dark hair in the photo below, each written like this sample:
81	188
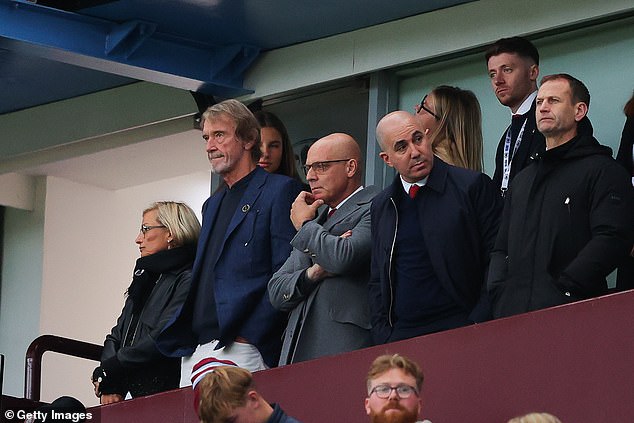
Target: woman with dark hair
625	156
277	151
453	118
130	361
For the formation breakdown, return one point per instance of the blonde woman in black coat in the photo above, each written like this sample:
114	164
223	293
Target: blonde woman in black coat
130	361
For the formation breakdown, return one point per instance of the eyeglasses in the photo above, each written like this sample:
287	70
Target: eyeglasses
321	167
146	228
403	391
425	108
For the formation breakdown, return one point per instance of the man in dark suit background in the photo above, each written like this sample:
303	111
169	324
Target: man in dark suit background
432	232
513	66
244	239
324	283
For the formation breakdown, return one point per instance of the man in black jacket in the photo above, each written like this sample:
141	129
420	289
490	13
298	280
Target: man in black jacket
513	67
567	221
433	230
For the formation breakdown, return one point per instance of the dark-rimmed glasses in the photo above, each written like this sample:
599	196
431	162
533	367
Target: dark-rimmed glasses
425	108
321	167
402	390
146	228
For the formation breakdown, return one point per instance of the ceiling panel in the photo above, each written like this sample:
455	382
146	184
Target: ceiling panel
48	54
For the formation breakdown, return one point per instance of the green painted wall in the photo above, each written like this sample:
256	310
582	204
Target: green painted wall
21	286
602	57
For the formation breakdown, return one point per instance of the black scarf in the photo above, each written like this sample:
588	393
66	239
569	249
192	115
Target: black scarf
149	268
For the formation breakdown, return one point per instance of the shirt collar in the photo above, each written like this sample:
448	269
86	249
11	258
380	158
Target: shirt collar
420	183
346	199
526	105
242	182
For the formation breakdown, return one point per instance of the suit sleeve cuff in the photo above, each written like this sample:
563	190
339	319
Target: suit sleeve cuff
304	285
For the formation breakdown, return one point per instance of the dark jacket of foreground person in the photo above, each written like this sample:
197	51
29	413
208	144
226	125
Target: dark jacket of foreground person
568	222
130	358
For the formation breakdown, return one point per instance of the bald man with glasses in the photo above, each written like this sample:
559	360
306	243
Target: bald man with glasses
323	284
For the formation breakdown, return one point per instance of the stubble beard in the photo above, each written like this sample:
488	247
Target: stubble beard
220	168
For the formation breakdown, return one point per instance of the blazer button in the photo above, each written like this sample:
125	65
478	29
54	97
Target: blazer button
567	294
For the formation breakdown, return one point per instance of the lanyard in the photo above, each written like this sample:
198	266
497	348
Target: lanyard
508	156
632	165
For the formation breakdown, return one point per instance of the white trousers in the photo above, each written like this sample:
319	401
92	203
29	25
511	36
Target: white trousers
244	355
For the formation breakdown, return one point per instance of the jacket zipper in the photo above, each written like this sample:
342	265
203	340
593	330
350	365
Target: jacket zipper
136	328
389	271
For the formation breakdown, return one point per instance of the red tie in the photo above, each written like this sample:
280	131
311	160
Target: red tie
413	190
331	212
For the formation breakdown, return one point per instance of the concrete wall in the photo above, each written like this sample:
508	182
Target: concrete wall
66	267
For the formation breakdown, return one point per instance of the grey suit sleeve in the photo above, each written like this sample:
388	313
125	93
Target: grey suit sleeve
313	244
335	254
284	286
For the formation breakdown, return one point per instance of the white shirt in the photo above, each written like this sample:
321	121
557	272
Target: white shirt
420	183
526	105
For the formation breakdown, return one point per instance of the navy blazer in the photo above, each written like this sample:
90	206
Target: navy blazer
255	246
460	215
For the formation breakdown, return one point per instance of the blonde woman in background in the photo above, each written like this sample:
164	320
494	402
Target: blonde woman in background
453	120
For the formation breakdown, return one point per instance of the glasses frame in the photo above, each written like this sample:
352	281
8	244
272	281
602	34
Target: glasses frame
394	388
425	108
319	167
145	228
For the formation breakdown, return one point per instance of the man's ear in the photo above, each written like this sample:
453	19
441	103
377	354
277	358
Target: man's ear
352	167
533	72
581	110
386	158
249	145
253	399
367	406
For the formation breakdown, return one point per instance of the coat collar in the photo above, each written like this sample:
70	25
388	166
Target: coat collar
248	199
353	203
436	181
245	206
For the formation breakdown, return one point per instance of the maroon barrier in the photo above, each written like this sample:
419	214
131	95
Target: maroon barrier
574	361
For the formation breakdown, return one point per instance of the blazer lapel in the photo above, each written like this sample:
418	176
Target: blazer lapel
247	202
339	215
348	207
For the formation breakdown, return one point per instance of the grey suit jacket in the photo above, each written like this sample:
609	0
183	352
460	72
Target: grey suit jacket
330	316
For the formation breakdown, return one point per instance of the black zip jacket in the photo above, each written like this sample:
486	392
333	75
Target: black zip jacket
130	357
567	223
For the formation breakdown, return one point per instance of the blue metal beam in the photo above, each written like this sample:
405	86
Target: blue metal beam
133	49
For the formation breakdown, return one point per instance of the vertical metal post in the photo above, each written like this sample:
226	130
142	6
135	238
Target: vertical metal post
382	98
